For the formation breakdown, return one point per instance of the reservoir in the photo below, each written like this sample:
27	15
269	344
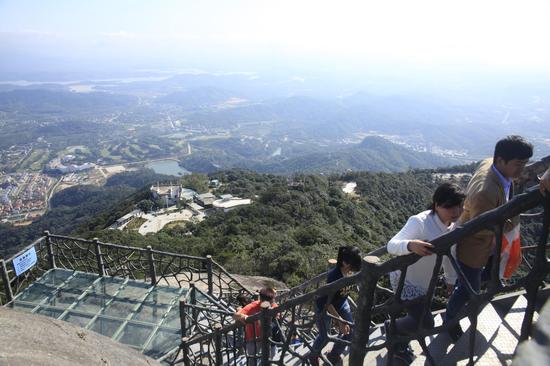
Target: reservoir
168	167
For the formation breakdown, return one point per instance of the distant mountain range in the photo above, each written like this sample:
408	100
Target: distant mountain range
196	98
47	101
372	154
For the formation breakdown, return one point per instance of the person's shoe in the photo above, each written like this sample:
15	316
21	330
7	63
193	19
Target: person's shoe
313	360
386	327
405	356
334	359
455	333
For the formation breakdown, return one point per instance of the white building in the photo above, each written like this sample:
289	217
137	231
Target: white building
187	194
229	203
195	208
205	199
126	218
169	194
214	183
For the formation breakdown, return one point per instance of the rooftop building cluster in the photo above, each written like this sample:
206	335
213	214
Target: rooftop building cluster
179	204
64	165
12	156
23	195
171	194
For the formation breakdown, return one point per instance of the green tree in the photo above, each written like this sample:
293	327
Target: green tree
145	205
196	182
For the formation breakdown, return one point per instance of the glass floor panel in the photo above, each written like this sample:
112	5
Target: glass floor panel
120	308
162	295
49	311
92	303
36	293
78	318
106	326
135	334
64	298
152	313
134	290
173	319
55	278
164	339
130	311
107	286
23	306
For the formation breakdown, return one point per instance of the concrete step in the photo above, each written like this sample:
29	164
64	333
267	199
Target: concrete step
498	329
376	357
488	322
506	337
496	337
499	326
493	344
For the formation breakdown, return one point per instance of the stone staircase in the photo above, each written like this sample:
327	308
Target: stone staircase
497	334
496	339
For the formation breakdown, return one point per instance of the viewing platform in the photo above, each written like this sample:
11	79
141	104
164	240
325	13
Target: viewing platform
132	312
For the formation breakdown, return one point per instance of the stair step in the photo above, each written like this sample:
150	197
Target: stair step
498	329
488	322
496	338
439	345
506	339
376	357
495	342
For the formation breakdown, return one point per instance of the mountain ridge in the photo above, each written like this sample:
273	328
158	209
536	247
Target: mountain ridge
374	154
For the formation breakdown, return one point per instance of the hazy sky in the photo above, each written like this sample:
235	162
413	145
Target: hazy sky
246	35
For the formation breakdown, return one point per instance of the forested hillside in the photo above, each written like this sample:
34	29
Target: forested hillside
294	225
374	154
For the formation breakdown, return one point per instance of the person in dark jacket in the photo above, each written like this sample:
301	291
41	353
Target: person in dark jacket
348	262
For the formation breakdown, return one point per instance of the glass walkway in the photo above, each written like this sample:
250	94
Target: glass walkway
132	312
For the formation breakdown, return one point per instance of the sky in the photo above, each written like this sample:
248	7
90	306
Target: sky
237	35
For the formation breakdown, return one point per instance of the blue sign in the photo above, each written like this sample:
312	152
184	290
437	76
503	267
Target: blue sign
25	261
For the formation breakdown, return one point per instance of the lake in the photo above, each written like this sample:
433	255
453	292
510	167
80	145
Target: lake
168	167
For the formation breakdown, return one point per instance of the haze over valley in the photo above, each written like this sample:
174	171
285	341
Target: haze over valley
100	101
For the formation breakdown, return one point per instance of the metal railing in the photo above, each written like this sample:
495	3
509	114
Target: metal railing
223	342
106	259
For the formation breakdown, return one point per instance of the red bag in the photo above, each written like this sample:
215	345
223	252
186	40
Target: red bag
510	254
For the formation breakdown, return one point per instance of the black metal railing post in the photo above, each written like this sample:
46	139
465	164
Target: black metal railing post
473	330
99	257
537	274
151	264
193	300
209	273
266	332
369	277
183	321
49	246
6	280
185	351
218	344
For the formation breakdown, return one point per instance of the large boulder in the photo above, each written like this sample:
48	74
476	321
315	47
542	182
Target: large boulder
30	339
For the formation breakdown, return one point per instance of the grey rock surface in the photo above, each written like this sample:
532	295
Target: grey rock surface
29	339
254	283
536	351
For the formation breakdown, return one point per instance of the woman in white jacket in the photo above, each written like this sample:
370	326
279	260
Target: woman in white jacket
413	238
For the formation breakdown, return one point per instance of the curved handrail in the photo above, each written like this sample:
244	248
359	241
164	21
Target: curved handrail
10	259
230	276
372	271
